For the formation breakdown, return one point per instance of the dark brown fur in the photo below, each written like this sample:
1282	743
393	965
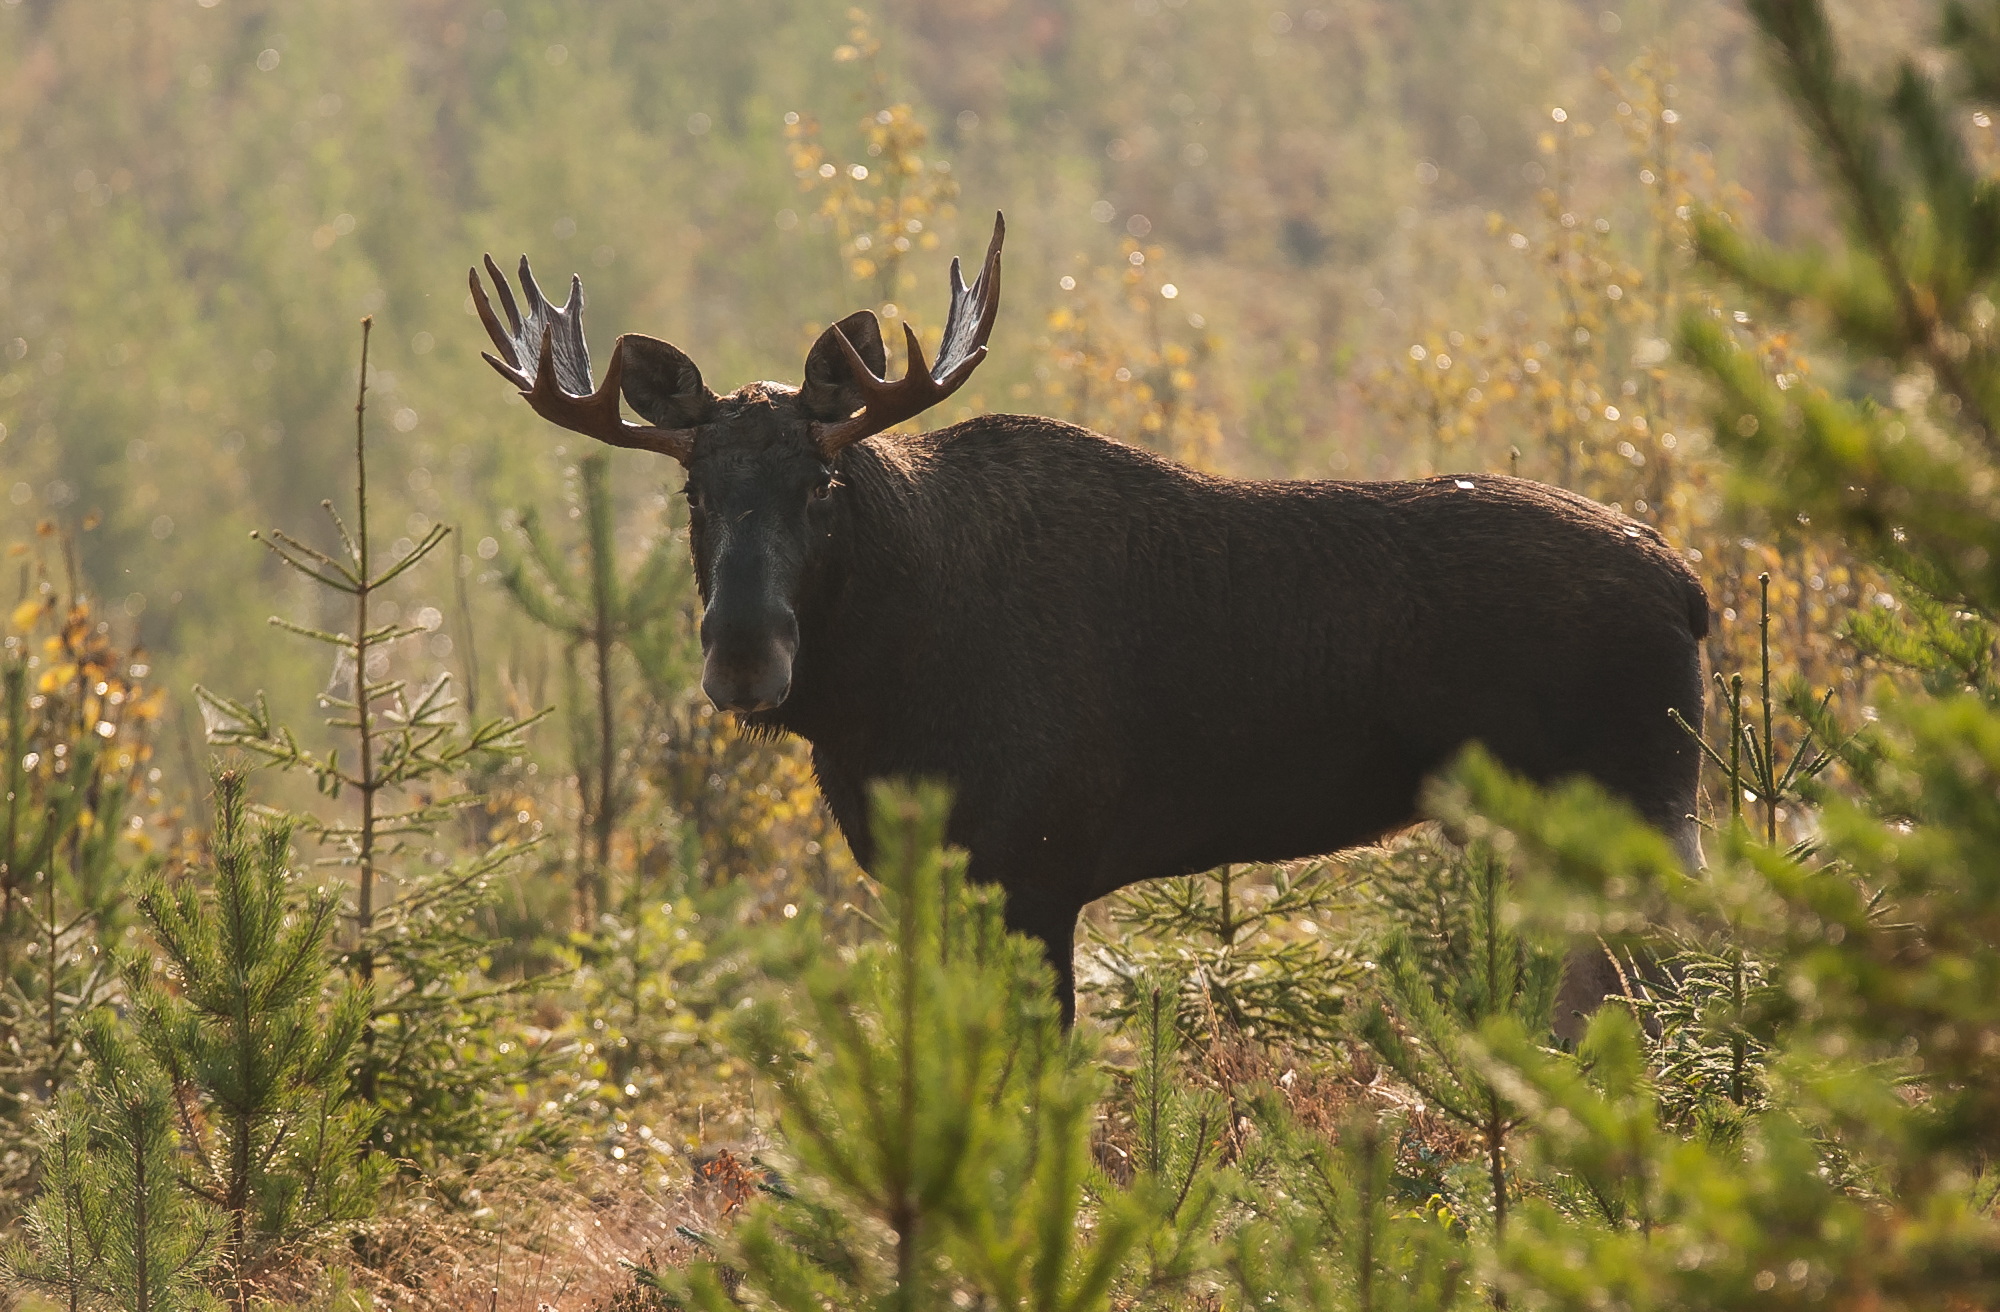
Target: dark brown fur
1127	669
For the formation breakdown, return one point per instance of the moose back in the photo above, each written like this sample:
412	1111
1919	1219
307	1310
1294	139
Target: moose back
1127	669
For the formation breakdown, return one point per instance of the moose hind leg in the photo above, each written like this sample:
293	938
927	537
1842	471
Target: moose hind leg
1590	975
1685	835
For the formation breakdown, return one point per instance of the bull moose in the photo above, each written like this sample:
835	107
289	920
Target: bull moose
1125	668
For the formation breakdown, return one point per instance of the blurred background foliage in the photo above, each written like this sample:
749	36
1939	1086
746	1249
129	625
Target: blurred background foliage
1233	227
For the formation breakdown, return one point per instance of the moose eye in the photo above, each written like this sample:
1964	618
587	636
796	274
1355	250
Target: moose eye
693	498
823	489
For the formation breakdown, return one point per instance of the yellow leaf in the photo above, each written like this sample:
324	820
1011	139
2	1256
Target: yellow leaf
25	614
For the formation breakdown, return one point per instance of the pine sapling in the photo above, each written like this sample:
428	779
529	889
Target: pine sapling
160	1239
74	753
257	1055
1772	782
113	1225
1245	942
1176	1144
1335	1238
938	1117
62	1254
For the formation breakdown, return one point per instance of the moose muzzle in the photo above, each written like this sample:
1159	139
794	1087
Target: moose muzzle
747	666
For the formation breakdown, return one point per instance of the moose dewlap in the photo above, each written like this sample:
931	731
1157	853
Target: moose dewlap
1127	669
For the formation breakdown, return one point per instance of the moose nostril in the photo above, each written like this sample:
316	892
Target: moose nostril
745	697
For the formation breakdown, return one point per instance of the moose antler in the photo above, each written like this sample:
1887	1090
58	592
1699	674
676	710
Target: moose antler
966	328
560	391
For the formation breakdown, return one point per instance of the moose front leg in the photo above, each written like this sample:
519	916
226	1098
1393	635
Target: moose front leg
1054	925
1039	901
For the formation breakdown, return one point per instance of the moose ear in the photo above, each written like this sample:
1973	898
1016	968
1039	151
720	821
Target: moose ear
831	392
662	384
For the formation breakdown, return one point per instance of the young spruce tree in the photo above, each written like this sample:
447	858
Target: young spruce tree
427	1057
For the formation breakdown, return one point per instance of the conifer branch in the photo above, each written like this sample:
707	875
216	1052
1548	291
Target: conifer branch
1836	112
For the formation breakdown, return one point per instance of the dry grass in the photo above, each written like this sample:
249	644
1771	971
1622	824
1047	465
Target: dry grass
522	1242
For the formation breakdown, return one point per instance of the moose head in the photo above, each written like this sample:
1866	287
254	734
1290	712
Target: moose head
762	462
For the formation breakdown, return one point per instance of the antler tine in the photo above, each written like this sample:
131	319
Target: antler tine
507	371
913	355
548	393
872	384
968	323
506	295
574	318
510	367
537	303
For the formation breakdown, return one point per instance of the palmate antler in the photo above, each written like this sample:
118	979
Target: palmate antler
966	327
560	391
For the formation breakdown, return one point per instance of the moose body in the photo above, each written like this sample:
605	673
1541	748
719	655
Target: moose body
1127	669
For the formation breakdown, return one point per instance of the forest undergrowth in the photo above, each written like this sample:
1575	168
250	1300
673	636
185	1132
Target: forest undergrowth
576	1000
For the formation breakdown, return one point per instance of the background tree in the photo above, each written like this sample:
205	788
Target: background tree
651	618
1278	176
